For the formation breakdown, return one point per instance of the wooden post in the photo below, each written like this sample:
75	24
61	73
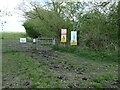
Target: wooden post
34	44
53	41
64	44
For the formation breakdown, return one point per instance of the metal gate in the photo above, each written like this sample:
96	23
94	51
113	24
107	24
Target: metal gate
44	43
15	45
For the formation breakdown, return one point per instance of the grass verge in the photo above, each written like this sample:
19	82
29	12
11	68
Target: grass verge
107	56
10	35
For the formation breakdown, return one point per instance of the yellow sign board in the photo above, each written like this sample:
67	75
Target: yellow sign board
63	38
63	35
73	43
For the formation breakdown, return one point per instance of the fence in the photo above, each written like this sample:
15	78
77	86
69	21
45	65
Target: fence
15	45
45	41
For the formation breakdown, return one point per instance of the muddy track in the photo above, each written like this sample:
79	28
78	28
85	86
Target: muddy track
68	73
72	71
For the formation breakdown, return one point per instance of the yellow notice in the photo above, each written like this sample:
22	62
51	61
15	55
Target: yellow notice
73	43
63	38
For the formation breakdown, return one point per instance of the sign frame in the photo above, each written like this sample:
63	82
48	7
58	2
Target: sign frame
63	35
23	40
73	38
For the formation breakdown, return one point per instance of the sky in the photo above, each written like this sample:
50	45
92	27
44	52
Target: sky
14	22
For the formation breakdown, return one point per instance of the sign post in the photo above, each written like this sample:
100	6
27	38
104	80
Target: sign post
34	44
73	37
63	36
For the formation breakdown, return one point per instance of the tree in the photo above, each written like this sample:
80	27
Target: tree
98	29
44	23
4	13
96	25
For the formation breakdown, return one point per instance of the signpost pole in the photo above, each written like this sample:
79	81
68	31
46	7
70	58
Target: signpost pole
34	44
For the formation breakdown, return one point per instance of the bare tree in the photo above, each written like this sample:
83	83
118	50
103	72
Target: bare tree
4	13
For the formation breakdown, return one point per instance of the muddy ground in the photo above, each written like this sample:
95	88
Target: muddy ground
47	68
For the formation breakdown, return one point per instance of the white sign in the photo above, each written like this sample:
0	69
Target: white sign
34	41
73	37
22	40
63	31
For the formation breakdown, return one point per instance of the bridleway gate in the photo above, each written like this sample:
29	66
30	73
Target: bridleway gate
28	45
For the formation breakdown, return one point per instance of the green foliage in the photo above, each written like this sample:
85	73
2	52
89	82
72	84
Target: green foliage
30	30
106	56
47	24
97	28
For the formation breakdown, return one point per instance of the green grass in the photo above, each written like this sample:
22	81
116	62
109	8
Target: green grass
19	68
103	77
14	35
18	65
107	56
102	80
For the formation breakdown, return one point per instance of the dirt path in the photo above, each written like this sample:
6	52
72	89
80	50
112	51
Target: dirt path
52	69
73	70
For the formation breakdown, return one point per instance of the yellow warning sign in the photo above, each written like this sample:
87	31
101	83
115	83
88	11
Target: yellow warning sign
73	43
63	38
63	35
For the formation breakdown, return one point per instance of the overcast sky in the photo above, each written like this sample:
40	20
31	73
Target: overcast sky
13	23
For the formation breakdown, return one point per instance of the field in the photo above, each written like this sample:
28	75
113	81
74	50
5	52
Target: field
8	35
48	68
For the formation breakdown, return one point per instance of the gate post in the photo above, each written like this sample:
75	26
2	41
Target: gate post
34	44
53	41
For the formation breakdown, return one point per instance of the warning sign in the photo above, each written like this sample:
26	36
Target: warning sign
63	38
73	37
63	35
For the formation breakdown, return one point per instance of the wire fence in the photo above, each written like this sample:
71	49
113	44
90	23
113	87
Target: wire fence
16	45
